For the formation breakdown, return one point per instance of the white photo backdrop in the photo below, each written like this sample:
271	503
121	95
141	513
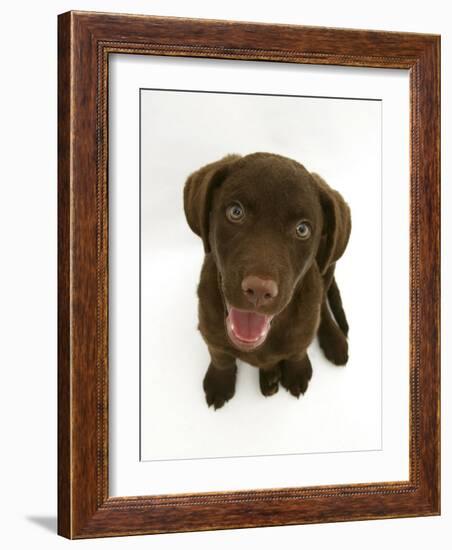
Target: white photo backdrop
352	423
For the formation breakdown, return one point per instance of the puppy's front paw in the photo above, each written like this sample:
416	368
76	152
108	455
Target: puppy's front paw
269	380
295	376
219	385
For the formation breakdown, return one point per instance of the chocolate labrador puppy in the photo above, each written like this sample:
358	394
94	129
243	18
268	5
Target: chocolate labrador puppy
272	232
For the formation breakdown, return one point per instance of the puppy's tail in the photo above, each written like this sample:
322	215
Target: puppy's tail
335	302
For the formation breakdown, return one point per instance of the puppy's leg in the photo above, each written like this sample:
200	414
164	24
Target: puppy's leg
331	338
295	375
219	380
335	301
333	296
269	380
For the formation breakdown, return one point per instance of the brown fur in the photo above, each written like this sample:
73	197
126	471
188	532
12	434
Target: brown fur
276	192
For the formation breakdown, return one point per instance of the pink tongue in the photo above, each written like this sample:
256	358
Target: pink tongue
247	325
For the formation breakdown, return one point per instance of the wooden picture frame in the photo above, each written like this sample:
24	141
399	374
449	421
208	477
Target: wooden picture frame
85	41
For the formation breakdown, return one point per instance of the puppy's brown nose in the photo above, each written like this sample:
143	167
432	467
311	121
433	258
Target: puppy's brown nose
259	291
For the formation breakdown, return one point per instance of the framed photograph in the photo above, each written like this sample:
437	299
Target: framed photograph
248	275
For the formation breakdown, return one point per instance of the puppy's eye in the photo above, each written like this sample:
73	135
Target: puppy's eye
303	230
235	212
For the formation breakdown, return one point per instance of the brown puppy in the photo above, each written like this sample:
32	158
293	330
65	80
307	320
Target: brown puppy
272	232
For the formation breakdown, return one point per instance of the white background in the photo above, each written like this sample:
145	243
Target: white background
341	140
351	137
28	290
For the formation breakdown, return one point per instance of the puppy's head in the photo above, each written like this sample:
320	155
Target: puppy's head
265	219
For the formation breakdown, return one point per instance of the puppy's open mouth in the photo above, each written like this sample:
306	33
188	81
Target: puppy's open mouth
247	329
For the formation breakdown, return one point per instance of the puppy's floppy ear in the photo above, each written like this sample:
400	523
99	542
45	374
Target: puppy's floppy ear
336	225
198	193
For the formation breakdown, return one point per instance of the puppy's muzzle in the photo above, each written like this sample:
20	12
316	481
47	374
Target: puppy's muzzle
258	291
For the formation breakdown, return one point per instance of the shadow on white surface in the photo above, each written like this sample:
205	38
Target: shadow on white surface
49	523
